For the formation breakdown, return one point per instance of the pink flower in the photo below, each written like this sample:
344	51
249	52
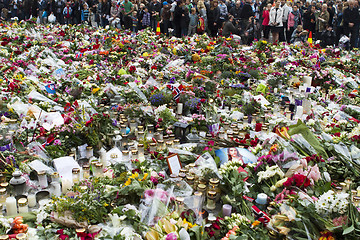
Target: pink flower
314	173
57	142
171	236
303	162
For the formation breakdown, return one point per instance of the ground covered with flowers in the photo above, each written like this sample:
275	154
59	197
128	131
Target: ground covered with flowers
65	88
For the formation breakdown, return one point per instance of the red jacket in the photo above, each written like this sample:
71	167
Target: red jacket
266	17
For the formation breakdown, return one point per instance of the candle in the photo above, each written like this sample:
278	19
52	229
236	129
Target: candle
307	80
307	106
180	108
299	111
56	189
66	185
32	200
102	154
261	199
227	210
11	208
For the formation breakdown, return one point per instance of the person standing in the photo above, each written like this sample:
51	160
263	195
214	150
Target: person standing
145	21
294	20
67	13
178	16
309	19
351	23
286	10
154	10
202	12
193	22
322	21
128	8
223	13
165	18
265	23
339	23
246	13
59	6
213	15
276	20
236	11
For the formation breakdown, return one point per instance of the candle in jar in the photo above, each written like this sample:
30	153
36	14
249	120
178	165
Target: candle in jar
66	185
299	111
227	210
180	108
42	179
307	80
56	189
32	200
11	208
23	205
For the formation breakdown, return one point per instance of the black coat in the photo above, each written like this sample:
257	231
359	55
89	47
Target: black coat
213	15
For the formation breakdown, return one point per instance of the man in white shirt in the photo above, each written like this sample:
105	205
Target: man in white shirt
286	11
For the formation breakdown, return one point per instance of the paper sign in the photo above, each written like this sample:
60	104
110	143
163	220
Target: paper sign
64	166
262	100
174	164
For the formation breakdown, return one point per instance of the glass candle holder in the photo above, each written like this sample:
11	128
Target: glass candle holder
23	205
55	177
89	152
161	145
134	154
76	175
32	197
133	125
99	170
152	147
141	151
86	171
211	202
3	195
176	143
125	155
160	132
42	179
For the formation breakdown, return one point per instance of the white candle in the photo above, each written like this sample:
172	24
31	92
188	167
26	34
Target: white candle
261	198
32	200
11	207
307	80
56	189
307	106
180	108
227	210
299	111
66	185
102	154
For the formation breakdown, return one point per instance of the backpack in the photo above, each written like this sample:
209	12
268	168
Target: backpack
201	25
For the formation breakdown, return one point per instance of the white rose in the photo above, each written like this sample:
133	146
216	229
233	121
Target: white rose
273	188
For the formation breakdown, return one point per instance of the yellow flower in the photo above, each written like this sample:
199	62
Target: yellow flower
189	224
105	204
128	182
134	175
95	90
145	176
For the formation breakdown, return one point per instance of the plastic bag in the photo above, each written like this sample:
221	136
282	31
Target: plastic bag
154	206
52	18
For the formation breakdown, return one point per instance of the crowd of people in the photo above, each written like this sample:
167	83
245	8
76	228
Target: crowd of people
246	20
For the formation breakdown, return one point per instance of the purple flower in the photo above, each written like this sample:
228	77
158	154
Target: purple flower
171	236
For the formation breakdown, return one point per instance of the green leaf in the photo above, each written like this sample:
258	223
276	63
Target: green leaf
348	230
